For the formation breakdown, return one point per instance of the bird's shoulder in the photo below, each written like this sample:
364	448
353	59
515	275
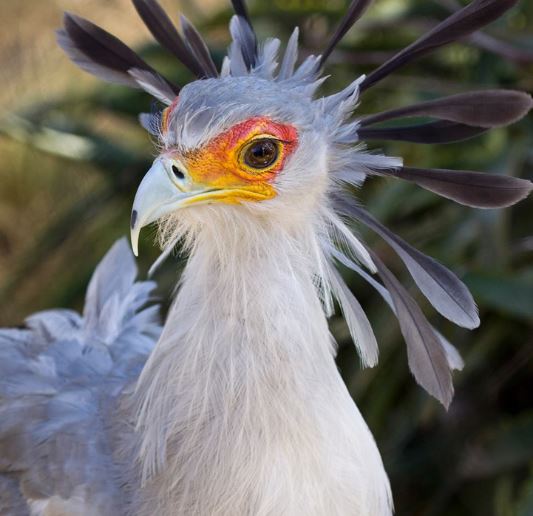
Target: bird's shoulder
61	376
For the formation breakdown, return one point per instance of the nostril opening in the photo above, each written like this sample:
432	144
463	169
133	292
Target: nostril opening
133	218
177	172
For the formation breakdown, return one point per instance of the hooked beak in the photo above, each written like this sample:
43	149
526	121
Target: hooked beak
170	185
164	188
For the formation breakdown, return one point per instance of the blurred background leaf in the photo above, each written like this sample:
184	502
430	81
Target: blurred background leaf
72	154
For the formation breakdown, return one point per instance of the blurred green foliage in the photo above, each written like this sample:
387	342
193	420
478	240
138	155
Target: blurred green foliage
70	162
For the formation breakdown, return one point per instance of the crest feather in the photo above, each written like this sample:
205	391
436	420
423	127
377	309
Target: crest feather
166	34
462	23
102	54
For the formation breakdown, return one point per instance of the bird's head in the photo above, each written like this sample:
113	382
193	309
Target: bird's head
254	135
241	141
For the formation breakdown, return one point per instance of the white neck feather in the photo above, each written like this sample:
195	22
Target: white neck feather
242	409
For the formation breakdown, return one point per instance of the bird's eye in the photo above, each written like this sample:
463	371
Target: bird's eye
261	154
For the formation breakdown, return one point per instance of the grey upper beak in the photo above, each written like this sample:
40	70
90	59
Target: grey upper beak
158	194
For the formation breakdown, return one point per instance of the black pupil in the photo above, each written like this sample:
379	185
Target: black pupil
261	154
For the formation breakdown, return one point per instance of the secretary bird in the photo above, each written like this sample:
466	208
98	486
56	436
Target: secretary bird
235	407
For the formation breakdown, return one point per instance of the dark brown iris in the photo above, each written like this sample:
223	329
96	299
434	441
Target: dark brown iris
261	154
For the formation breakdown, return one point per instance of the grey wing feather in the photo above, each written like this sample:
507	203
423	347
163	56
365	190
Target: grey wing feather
11	500
244	38
60	377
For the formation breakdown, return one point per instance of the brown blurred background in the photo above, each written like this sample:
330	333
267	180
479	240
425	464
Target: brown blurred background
72	154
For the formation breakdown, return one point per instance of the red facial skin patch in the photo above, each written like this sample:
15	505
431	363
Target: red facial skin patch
220	165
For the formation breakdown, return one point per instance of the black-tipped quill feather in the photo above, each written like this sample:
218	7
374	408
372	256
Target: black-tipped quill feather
474	189
102	54
354	13
164	31
154	85
244	33
475	15
491	108
425	353
239	6
461	117
244	36
439	131
442	288
198	48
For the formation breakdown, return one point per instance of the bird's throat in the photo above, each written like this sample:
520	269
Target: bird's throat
243	385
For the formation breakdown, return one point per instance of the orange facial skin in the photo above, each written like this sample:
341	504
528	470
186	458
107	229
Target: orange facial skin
220	165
